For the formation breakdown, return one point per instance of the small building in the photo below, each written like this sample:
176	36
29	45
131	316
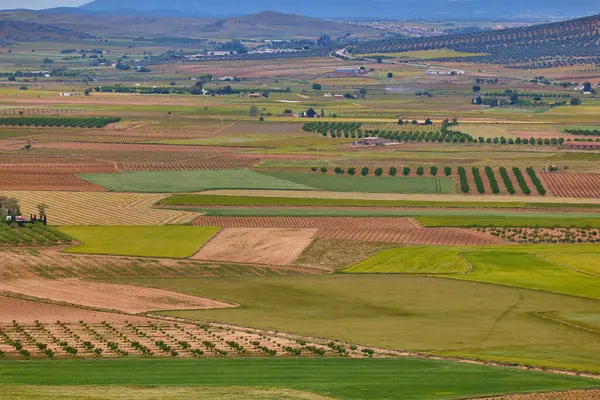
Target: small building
338	97
254	95
350	71
374	141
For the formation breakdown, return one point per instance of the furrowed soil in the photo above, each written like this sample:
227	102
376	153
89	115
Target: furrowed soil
72	208
257	245
307	222
108	296
563	184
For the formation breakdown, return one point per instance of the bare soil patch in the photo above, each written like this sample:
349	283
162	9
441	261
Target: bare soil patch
108	296
29	311
257	245
330	254
49	263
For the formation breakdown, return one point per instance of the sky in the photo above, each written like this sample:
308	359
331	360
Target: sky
40	4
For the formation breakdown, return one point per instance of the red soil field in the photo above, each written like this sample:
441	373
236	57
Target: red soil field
55	176
563	184
308	222
430	236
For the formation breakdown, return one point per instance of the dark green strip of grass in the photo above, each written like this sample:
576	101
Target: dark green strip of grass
339	378
219	200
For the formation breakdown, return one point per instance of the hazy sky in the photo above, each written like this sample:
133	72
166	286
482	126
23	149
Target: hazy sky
39	4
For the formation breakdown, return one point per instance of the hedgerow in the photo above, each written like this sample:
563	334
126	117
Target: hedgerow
464	185
492	179
536	181
478	181
71	122
521	180
507	182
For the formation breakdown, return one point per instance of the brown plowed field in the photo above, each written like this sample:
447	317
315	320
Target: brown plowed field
108	296
29	311
307	222
563	184
257	245
53	176
212	164
593	394
431	236
134	147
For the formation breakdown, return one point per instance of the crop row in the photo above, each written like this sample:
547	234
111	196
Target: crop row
29	234
156	339
506	178
537	235
583	132
464	185
74	122
379	171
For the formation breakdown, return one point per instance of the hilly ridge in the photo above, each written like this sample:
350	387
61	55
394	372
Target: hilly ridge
480	9
533	44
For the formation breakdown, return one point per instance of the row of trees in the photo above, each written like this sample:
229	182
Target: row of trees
74	122
392	171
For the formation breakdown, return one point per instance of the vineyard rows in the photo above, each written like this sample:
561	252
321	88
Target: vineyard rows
572	185
75	122
31	234
160	339
307	222
429	236
536	235
489	183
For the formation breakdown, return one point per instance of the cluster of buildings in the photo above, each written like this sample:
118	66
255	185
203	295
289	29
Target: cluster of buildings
350	71
444	72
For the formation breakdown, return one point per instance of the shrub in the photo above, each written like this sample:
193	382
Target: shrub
324	170
338	170
447	171
433	171
378	171
351	171
406	171
364	171
420	171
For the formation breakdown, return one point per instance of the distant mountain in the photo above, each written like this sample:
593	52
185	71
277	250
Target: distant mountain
446	9
265	24
11	31
537	46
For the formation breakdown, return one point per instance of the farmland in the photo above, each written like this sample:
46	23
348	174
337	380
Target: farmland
263	224
148	241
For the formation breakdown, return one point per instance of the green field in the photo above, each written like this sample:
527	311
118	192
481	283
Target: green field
335	378
412	312
145	241
227	200
427	218
189	181
510	265
367	184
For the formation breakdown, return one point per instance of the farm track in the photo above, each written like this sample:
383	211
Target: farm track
99	208
562	184
429	236
307	222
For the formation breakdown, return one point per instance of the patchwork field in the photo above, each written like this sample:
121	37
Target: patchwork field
147	241
89	208
207	238
257	245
